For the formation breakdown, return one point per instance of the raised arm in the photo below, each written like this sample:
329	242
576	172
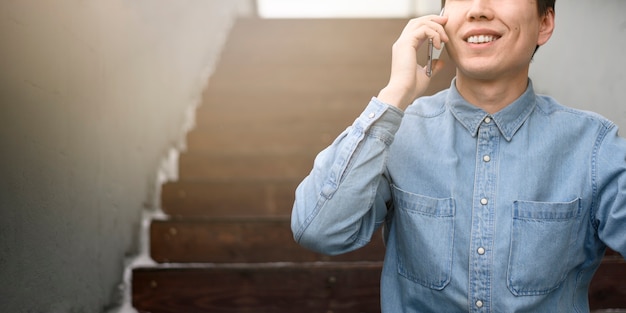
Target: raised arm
343	200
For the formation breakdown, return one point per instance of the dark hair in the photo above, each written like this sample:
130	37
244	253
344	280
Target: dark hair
543	6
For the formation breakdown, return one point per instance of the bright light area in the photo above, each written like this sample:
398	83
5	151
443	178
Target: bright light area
346	8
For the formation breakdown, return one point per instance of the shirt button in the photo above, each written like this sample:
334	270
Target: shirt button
484	201
487	119
479	304
481	251
371	115
486	158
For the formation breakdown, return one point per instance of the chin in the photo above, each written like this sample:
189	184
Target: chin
477	72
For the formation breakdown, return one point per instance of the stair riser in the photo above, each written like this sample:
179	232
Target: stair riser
257	289
224	199
201	167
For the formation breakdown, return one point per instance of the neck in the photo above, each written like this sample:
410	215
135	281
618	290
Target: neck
491	95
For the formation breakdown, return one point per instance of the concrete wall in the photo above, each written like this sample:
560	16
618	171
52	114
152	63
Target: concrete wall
93	95
583	65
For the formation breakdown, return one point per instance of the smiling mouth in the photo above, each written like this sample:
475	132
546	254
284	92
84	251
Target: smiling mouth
481	39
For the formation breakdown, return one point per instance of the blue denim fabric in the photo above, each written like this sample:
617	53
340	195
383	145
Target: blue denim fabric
509	212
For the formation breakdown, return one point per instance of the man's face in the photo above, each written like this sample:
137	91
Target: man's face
489	39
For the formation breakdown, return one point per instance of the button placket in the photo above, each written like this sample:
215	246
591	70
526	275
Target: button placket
483	215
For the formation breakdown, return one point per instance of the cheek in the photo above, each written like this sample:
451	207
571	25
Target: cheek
526	36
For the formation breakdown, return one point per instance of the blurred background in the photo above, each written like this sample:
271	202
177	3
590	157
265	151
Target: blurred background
150	149
346	8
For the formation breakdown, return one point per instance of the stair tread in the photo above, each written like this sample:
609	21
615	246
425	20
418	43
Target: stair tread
268	266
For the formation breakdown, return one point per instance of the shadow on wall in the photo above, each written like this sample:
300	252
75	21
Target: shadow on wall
93	96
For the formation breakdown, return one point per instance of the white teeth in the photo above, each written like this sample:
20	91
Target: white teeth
481	39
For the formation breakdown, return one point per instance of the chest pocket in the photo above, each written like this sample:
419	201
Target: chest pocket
542	235
424	229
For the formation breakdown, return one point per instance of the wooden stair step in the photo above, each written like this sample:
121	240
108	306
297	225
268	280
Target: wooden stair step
237	111
276	123
298	287
240	240
309	78
263	141
259	288
201	166
228	199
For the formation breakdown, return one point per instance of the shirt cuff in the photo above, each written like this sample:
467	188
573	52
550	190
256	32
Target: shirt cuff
379	115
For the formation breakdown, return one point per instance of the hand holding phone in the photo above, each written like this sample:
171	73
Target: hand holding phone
408	80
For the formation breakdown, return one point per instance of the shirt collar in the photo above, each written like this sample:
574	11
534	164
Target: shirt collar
508	120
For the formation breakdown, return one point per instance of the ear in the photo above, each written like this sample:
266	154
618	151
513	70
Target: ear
546	27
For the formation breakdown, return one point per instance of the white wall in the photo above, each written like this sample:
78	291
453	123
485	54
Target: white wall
93	95
584	64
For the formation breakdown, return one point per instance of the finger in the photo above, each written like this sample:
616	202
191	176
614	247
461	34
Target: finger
424	29
440	35
425	34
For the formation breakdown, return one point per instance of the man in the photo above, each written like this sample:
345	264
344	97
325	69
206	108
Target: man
494	198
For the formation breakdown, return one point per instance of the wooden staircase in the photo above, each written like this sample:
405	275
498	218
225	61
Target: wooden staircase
283	90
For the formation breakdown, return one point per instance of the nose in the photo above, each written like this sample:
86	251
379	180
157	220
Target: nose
480	10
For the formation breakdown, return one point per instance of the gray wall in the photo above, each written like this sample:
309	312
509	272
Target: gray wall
584	64
93	94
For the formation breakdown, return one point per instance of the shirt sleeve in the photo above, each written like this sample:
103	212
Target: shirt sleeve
610	216
342	201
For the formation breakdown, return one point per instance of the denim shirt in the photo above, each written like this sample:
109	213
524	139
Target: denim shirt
504	212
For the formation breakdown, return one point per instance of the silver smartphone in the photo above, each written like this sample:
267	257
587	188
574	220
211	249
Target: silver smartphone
433	53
